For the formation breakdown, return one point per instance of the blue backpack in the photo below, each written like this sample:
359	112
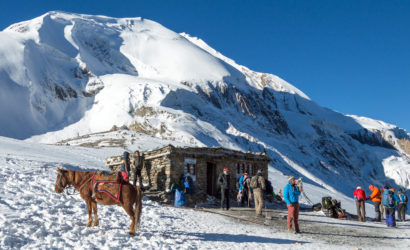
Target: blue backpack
388	199
186	182
403	198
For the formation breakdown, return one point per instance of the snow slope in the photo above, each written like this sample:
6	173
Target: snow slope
69	75
32	215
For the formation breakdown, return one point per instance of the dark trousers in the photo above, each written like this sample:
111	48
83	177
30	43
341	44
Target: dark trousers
245	197
225	198
402	211
377	211
137	174
390	217
361	210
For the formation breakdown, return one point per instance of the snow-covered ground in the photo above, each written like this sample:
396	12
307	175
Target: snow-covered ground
32	215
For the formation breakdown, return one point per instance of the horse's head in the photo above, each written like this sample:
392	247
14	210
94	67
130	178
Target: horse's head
62	180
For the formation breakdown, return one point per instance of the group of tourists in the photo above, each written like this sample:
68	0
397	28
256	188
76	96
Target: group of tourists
385	200
249	188
255	187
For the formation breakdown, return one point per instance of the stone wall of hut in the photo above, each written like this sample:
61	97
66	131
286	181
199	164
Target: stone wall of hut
165	166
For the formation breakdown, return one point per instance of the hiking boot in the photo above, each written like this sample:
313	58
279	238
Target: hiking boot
297	231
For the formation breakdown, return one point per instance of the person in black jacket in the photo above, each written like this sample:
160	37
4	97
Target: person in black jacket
224	181
137	162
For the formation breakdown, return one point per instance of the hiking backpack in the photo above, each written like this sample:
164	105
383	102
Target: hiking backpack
186	182
403	198
327	202
254	182
388	199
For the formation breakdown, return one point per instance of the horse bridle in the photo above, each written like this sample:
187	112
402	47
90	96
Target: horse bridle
66	187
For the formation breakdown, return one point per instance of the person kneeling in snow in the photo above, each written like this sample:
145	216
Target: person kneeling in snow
291	196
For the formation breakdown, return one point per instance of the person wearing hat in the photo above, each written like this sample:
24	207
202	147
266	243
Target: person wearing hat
291	194
360	198
224	182
376	198
258	186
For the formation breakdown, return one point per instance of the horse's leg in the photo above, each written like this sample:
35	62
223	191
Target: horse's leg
130	211
127	204
138	208
89	207
94	207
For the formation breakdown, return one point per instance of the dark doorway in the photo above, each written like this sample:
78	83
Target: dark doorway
211	188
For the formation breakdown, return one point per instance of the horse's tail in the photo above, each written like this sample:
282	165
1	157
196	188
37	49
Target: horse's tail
138	208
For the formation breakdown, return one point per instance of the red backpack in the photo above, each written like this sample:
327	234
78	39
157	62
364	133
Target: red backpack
359	195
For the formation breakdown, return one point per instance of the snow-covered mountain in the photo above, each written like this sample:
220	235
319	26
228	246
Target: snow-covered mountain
67	75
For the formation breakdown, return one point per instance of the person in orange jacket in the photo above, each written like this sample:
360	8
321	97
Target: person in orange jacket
376	198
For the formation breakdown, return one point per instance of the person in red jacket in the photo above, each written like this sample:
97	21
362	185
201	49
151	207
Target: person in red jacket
360	198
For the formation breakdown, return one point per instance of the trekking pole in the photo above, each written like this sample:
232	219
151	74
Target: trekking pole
307	199
300	183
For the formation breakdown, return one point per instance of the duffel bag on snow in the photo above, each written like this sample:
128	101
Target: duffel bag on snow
327	202
317	207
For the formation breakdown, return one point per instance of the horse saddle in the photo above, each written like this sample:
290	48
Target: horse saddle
103	176
109	184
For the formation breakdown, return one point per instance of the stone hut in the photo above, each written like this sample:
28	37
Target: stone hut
166	165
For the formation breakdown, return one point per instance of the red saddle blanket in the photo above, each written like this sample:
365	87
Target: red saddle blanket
108	184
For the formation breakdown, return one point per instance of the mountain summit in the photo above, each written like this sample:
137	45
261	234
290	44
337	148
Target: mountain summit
65	75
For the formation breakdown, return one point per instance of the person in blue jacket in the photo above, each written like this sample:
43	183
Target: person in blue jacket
240	182
389	200
291	194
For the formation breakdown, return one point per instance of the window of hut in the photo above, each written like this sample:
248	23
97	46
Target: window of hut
190	167
251	170
238	170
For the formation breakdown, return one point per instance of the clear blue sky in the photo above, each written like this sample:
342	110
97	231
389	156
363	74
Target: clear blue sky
351	56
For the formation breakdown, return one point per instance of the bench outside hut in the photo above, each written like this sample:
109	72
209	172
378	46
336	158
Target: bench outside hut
166	165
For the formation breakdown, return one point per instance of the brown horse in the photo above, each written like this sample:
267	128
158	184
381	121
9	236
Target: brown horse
81	181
